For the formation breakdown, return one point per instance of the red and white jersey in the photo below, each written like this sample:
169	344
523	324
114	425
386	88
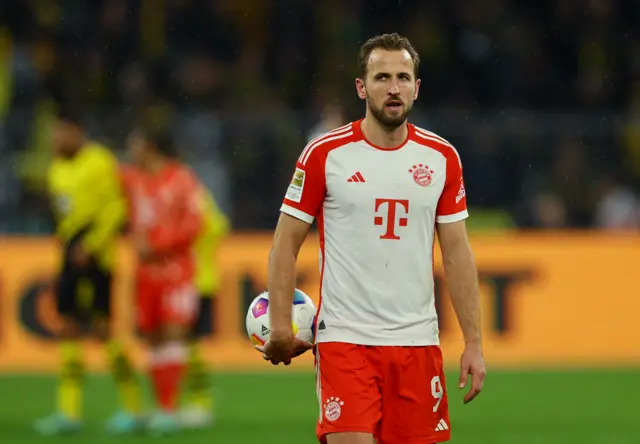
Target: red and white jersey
164	207
376	210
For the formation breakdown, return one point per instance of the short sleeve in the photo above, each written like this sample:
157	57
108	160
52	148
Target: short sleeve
191	192
307	189
452	205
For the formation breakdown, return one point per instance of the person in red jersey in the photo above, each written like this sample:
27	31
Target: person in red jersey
380	189
165	220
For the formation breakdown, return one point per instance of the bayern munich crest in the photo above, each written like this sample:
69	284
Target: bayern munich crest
333	408
422	174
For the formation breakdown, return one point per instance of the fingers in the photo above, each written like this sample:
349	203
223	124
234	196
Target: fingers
260	348
470	396
277	361
481	374
464	376
266	357
304	345
273	361
299	347
476	385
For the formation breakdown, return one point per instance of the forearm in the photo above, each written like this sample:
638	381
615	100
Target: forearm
281	286
462	281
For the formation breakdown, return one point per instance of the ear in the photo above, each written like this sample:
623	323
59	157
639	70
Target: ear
361	89
415	94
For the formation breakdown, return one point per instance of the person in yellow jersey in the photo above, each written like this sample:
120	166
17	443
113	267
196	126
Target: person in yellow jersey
197	411
84	185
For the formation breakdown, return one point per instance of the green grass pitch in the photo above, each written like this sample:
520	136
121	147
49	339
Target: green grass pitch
517	407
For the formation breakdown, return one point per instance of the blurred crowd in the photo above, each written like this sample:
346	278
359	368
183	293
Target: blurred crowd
542	99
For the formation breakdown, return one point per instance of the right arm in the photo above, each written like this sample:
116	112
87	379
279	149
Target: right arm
302	203
113	210
287	241
68	218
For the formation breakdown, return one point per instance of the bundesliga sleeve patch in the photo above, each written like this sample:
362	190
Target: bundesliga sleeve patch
294	192
461	192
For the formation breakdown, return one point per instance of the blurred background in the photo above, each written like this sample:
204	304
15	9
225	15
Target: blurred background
541	99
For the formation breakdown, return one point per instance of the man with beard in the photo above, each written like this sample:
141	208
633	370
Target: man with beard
380	188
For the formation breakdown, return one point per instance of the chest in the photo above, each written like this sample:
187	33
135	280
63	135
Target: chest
152	201
365	180
70	176
71	185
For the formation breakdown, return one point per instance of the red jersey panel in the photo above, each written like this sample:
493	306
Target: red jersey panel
164	207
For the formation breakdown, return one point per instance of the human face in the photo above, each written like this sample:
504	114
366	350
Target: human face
389	87
66	138
137	148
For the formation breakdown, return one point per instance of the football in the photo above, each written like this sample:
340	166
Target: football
303	316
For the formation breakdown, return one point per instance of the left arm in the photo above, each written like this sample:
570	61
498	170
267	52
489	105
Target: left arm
460	273
462	278
112	212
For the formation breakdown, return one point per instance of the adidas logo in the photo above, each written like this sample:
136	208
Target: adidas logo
265	330
442	426
356	178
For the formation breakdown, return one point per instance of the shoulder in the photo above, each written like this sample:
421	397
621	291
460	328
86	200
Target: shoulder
184	176
129	174
435	142
53	170
99	156
54	164
319	147
206	200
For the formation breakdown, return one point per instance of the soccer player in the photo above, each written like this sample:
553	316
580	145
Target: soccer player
88	204
165	221
380	188
197	411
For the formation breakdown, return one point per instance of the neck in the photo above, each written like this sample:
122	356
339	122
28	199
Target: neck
155	165
381	136
79	145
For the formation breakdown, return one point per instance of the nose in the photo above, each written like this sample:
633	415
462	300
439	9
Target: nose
394	90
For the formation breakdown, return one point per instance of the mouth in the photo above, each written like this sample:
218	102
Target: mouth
394	105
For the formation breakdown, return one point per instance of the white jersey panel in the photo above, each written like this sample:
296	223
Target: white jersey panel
379	218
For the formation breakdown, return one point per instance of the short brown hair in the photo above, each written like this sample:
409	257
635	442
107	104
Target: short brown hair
388	42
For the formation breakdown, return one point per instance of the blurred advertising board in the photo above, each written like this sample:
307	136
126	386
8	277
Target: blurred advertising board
548	300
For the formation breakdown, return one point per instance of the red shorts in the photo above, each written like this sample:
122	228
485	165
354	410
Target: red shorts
395	393
163	303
